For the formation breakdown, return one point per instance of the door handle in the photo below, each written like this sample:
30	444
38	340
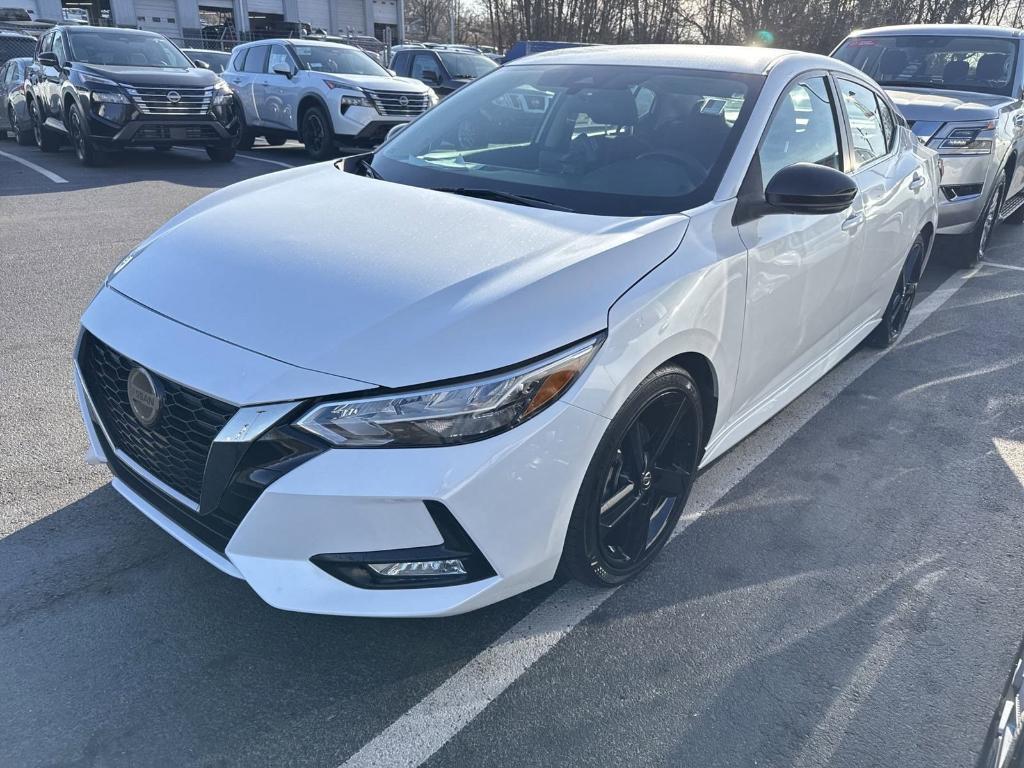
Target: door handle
917	181
853	221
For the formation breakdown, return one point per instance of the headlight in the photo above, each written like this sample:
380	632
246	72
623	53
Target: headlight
109	97
357	101
432	98
222	94
459	413
968	141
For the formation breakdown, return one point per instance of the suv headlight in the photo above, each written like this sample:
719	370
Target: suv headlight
432	97
458	413
222	95
972	140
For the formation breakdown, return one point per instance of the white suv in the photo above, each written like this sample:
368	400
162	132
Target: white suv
324	94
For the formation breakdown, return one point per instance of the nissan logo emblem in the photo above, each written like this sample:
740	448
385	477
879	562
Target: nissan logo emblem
173	96
403	100
144	396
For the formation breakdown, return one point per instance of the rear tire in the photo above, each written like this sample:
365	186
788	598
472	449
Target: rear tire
23	137
638	481
221	154
900	303
316	134
45	139
973	245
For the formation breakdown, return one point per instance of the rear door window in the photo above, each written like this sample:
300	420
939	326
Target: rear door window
256	61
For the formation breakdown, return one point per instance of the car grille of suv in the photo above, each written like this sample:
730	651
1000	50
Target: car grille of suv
175	448
171	101
398	104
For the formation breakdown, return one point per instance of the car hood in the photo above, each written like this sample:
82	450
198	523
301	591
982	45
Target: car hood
377	83
945	106
389	284
171	77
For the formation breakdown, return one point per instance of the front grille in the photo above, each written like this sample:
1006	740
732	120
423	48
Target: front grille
175	448
174	133
399	104
157	100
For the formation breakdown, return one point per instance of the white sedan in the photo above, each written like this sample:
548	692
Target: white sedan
417	382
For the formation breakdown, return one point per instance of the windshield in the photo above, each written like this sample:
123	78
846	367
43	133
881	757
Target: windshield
337	60
125	49
611	140
961	63
466	65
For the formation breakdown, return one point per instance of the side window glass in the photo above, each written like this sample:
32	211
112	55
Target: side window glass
865	114
5	75
278	56
802	130
46	44
423	62
256	61
644	98
400	63
239	61
888	123
58	48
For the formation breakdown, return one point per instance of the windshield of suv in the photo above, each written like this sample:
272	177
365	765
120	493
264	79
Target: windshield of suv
946	62
466	65
124	49
337	60
611	140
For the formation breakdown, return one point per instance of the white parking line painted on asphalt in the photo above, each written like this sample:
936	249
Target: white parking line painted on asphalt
1002	266
443	713
244	157
37	168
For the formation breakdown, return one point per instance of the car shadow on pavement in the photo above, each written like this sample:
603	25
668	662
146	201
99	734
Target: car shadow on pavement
121	647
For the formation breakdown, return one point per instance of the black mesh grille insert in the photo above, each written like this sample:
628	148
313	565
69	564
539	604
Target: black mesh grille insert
175	448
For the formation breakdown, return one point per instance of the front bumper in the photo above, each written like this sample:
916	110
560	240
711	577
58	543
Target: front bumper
967	182
146	130
511	494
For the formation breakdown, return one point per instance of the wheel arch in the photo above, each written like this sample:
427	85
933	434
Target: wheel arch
928	235
305	103
703	371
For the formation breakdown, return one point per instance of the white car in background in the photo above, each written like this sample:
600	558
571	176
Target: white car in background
324	94
567	314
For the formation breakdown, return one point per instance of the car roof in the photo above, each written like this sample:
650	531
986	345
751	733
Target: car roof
299	41
106	30
724	58
942	30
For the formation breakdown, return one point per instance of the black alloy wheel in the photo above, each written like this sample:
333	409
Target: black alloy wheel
315	134
85	148
638	482
901	301
24	137
45	139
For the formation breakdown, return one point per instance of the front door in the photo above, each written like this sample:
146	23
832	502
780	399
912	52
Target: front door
798	265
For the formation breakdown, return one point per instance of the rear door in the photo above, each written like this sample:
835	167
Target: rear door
890	181
255	71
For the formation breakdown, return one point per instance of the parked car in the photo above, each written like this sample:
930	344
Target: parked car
960	87
75	15
14	119
215	61
15	44
106	89
425	419
324	94
529	47
22	20
443	69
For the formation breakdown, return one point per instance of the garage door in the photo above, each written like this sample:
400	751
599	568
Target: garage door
351	16
316	14
266	6
158	16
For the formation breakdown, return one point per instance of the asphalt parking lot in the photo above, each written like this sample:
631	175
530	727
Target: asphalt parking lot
845	590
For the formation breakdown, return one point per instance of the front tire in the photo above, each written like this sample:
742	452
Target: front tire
221	154
23	137
638	481
900	302
85	147
45	139
974	244
316	134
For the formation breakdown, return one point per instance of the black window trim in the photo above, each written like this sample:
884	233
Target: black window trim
885	103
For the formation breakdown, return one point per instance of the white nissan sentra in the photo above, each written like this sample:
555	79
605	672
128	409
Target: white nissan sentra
416	382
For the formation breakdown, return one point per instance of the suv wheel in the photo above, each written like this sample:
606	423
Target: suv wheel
23	137
975	243
46	140
224	154
85	147
316	134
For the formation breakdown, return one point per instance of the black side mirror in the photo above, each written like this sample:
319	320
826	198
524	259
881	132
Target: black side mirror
201	64
810	188
49	59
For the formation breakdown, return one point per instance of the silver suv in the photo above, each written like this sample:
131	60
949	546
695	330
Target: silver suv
960	87
324	94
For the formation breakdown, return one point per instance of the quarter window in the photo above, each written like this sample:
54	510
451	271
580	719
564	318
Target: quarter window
802	130
864	109
239	61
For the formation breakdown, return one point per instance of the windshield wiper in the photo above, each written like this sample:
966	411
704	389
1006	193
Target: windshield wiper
505	197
